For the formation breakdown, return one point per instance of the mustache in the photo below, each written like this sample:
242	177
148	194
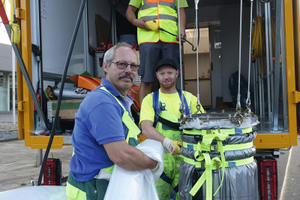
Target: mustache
126	75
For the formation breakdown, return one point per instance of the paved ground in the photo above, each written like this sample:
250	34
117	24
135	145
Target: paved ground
18	164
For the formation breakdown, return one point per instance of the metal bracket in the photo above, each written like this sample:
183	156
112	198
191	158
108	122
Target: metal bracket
296	96
20	13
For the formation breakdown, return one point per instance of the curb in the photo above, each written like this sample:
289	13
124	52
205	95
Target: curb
8	139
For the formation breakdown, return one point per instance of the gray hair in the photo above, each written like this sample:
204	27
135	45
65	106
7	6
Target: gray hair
110	54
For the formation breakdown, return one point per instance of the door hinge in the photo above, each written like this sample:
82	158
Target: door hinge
296	96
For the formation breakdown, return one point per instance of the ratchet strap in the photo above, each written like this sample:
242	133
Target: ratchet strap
203	160
227	147
231	131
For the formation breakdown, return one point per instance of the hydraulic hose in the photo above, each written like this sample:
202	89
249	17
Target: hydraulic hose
193	48
61	88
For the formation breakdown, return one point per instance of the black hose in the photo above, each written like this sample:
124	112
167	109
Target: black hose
193	48
61	89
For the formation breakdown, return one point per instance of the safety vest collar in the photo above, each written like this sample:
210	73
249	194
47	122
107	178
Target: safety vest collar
148	4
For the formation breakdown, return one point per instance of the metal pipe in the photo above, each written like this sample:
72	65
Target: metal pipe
268	58
61	88
180	54
277	66
254	82
248	101
197	52
271	69
238	104
14	86
283	68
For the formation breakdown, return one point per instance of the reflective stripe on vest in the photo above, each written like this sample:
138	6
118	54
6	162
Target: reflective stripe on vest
133	130
165	14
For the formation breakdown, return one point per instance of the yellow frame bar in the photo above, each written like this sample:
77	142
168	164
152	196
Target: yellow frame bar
25	103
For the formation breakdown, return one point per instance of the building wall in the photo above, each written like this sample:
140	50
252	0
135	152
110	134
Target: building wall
5	77
5	57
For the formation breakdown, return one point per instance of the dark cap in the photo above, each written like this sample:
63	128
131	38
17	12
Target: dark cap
164	62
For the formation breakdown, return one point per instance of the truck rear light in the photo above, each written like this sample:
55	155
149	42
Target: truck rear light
268	179
52	172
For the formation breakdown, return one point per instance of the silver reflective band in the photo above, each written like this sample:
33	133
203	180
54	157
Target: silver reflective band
161	16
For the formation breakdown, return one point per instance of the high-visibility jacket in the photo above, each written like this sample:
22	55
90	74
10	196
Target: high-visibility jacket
133	130
167	124
165	14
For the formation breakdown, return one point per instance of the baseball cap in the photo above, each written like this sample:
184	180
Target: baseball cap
166	61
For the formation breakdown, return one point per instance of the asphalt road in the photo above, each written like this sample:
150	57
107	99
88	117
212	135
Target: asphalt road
289	174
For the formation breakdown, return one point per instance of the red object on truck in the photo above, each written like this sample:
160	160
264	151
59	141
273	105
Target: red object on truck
52	172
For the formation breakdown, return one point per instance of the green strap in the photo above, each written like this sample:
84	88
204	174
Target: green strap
213	164
230	131
209	163
206	176
232	163
227	147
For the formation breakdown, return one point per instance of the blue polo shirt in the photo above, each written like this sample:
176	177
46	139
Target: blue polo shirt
97	121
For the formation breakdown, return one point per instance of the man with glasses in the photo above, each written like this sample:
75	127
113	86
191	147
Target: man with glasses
104	133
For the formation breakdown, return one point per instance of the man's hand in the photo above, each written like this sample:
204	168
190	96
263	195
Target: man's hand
169	145
177	145
172	146
141	24
182	36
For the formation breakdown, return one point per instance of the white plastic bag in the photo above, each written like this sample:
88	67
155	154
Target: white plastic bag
137	185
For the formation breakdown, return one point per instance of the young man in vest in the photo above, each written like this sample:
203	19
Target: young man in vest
104	132
159	116
154	45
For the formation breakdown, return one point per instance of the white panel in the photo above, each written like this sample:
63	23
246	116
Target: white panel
58	22
192	38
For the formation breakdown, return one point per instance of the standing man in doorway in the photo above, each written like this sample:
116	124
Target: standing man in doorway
154	45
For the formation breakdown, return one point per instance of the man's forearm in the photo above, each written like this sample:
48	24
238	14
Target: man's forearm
150	132
128	157
182	19
130	14
136	160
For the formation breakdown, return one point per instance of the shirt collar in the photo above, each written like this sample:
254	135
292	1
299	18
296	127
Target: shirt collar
111	89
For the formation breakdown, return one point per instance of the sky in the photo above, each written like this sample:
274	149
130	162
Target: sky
3	35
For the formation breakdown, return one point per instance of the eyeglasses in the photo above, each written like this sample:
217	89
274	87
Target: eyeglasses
123	66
